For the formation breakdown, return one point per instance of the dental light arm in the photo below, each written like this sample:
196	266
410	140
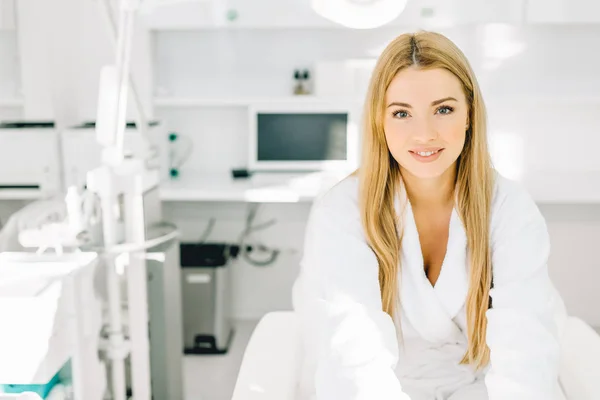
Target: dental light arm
114	86
111	22
120	184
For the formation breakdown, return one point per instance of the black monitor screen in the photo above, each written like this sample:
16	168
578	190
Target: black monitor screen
302	137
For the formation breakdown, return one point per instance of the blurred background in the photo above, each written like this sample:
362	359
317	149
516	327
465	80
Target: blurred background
219	76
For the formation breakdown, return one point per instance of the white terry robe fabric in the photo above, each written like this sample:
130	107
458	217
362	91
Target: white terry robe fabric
352	350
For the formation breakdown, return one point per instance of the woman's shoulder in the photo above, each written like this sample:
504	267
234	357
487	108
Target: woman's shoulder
341	198
513	207
337	209
512	197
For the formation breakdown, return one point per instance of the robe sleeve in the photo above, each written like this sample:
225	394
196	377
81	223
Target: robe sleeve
522	333
356	340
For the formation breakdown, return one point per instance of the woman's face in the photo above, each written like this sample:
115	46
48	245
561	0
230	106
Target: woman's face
425	120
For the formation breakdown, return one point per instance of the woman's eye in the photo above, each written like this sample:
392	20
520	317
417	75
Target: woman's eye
444	110
401	114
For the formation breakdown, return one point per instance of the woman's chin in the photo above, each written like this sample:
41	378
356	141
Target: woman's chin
426	171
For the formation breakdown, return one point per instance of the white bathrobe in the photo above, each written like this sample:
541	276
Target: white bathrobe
352	350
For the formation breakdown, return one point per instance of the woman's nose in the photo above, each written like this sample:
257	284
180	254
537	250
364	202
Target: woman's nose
425	130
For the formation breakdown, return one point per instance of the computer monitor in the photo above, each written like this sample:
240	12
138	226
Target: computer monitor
302	137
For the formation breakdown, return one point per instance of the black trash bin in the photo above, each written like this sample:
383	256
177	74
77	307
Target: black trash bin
206	291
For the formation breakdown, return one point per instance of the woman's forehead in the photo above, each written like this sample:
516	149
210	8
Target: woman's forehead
423	86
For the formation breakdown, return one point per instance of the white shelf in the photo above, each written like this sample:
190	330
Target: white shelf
564	187
545	188
20	194
247	101
260	188
11	103
541	99
563	11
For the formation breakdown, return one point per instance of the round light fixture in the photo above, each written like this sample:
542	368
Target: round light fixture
359	14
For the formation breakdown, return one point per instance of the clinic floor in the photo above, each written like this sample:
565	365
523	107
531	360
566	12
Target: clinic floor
213	377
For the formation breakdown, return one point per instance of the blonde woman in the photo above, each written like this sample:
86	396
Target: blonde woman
424	274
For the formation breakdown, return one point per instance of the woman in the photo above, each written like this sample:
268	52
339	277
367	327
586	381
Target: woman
424	274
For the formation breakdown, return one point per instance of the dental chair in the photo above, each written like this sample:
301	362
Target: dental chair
270	366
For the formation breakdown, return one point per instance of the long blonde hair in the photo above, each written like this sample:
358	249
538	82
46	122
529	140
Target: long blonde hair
379	177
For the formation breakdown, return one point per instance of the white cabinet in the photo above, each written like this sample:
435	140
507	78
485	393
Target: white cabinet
563	11
276	14
431	14
235	14
182	15
299	14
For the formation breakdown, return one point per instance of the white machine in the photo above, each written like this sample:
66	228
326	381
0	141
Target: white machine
39	165
123	188
81	153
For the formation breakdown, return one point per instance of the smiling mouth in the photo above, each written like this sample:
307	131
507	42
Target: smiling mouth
426	153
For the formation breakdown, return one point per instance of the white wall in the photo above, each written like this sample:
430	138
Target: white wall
60	79
10	83
539	83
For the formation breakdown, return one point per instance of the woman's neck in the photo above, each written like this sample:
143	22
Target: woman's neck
430	192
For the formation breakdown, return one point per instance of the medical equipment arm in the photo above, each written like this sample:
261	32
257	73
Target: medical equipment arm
121	184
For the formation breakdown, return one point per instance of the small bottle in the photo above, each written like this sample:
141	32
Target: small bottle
305	78
298	88
301	77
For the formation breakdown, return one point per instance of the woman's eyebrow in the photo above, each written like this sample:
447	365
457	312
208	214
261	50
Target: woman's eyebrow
433	103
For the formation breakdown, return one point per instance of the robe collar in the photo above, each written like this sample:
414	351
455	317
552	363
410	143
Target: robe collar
429	309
